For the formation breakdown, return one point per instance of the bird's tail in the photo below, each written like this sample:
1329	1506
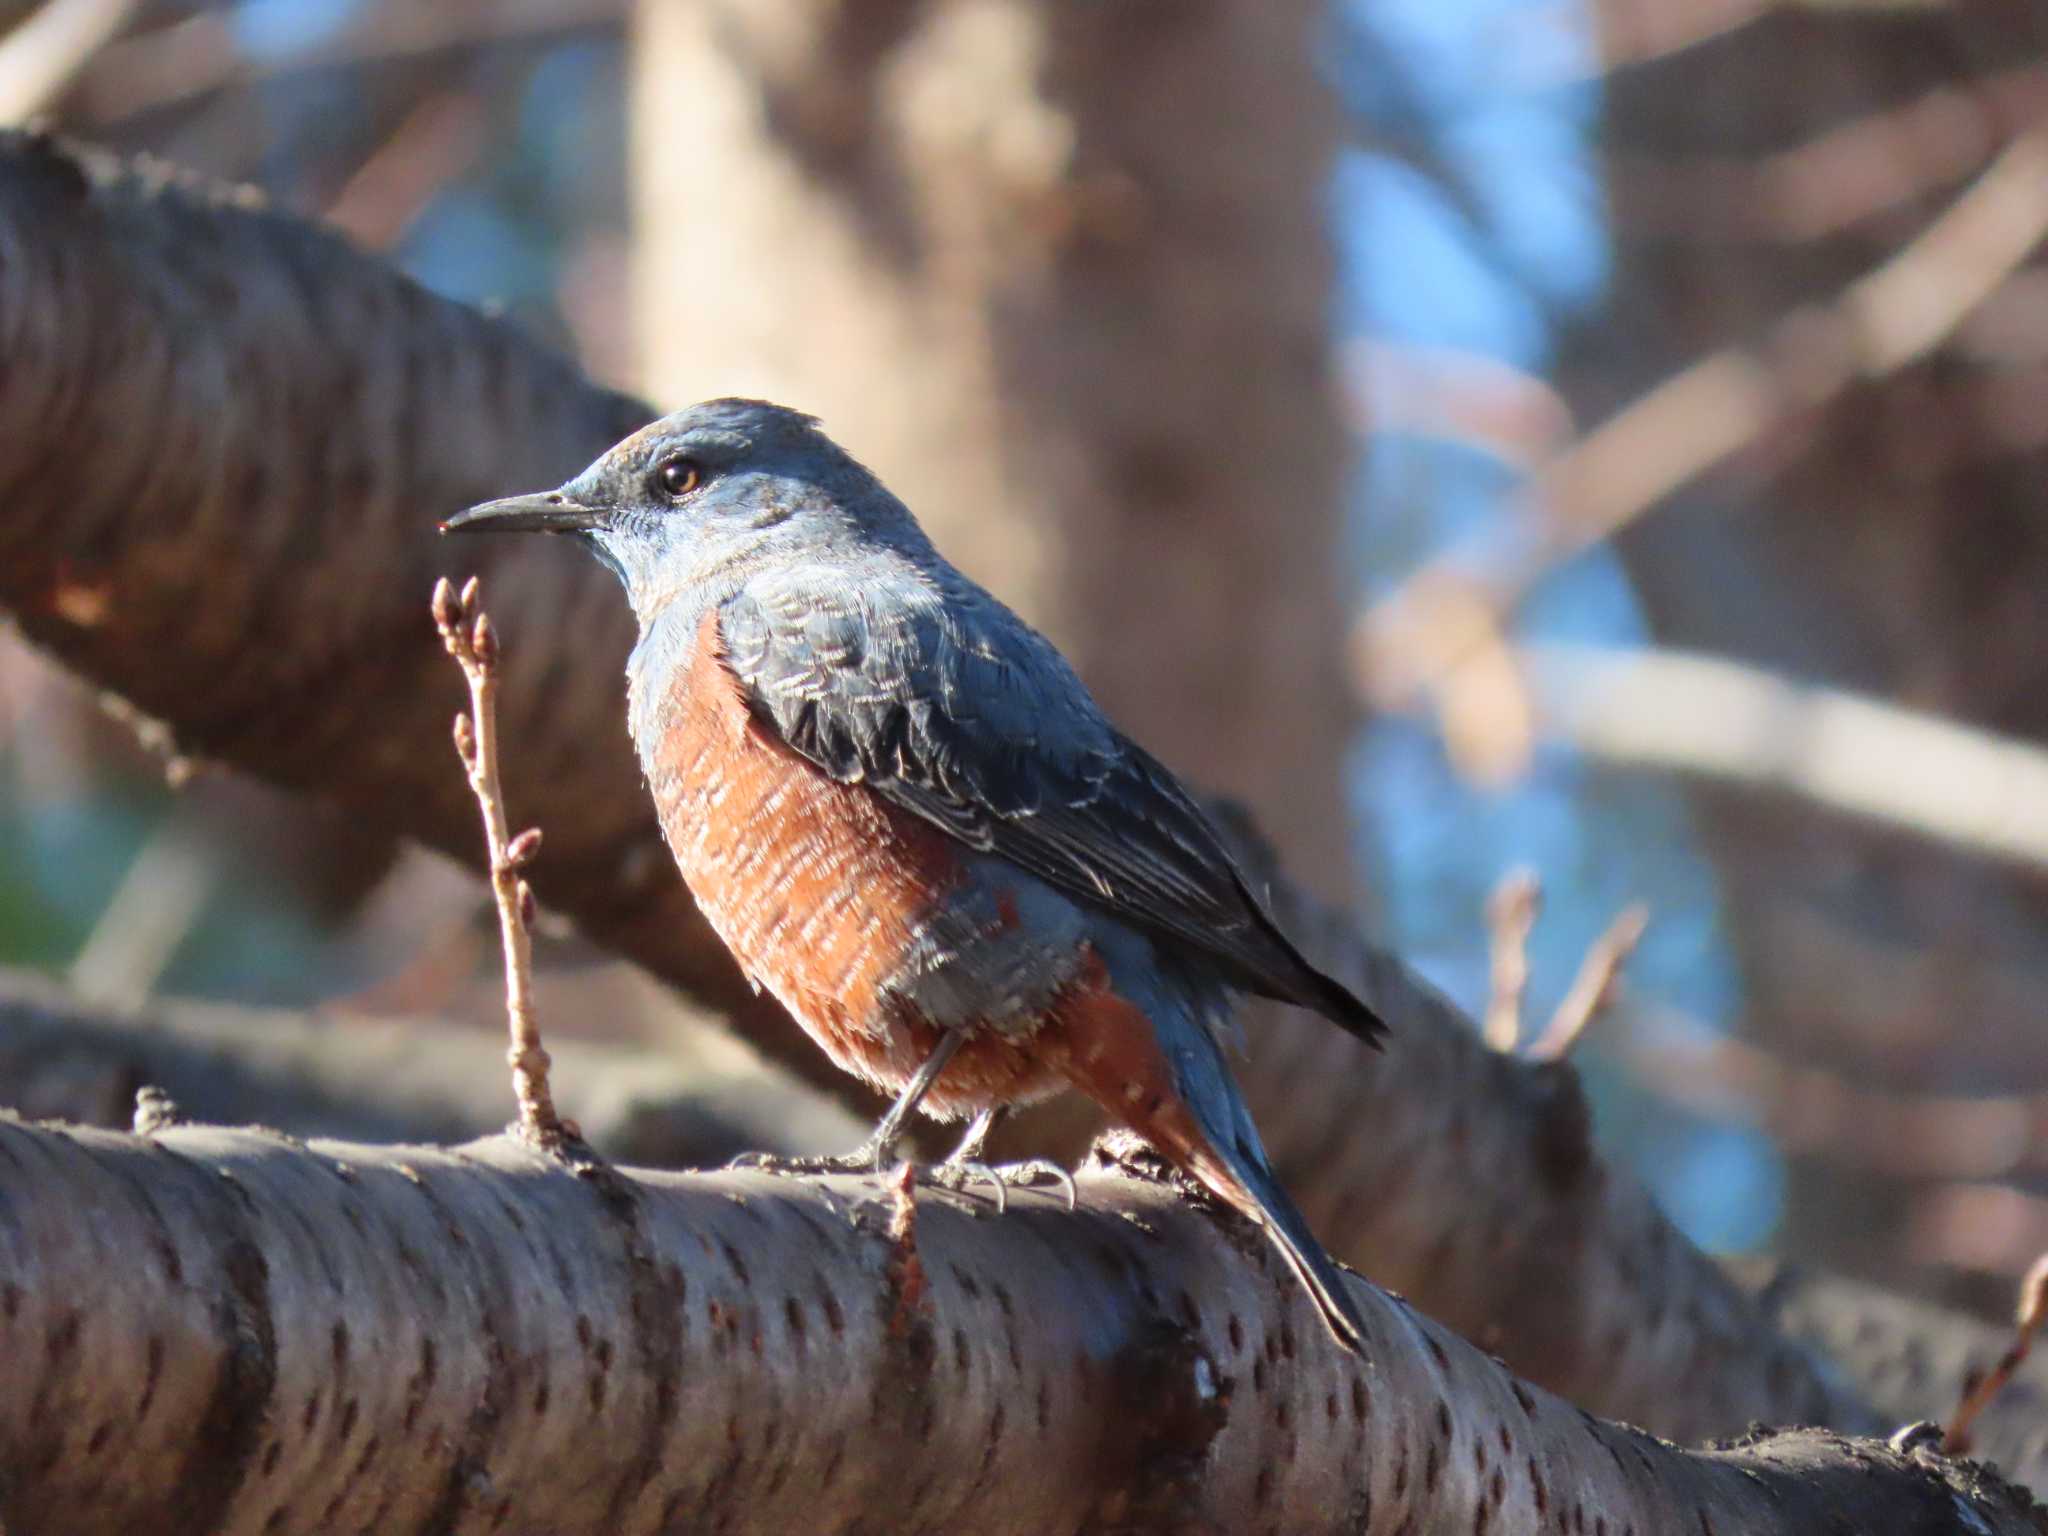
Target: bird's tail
1247	1182
1154	1059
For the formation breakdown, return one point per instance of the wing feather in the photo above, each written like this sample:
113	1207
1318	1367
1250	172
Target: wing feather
945	704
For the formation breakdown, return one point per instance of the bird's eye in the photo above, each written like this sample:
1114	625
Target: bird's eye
677	477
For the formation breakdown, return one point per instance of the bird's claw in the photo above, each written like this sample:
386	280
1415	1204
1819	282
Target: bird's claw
958	1173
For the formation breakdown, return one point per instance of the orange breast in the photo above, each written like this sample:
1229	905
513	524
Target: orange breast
817	888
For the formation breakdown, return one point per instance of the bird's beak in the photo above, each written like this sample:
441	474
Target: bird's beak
541	512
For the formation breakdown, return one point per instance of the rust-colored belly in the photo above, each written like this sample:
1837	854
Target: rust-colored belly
818	888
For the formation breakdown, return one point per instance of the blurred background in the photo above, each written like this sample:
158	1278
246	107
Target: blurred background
1630	473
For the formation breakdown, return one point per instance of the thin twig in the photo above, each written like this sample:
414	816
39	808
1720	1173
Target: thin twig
1593	988
466	631
1510	914
1955	1438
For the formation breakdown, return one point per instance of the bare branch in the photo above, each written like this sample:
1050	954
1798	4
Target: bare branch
1593	988
1849	174
433	145
466	631
2032	1307
1635	32
1511	913
151	913
265	1336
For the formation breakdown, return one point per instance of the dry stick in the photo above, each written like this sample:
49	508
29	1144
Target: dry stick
1510	914
466	631
1955	1439
1593	988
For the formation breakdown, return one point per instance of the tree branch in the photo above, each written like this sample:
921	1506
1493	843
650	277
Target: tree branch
466	631
265	1336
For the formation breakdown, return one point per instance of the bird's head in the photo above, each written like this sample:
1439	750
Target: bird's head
699	499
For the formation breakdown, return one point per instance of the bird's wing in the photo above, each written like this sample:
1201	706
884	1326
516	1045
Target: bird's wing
946	705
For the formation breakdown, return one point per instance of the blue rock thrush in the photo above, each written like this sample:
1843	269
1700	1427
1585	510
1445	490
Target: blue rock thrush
907	818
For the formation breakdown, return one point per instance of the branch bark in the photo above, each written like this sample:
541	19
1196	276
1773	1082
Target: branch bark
249	566
268	1336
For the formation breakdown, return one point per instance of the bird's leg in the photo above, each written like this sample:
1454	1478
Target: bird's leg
878	1147
964	1166
872	1155
969	1150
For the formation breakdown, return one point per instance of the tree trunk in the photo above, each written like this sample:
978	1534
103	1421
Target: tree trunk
1061	276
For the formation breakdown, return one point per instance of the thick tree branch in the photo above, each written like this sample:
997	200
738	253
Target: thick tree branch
267	1336
224	440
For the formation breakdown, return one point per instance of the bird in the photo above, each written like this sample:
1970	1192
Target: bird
903	812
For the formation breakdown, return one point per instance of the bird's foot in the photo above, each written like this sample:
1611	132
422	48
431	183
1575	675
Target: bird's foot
871	1157
958	1173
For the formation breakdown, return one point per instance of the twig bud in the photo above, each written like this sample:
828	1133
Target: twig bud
465	739
521	850
484	640
445	613
469	591
529	909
